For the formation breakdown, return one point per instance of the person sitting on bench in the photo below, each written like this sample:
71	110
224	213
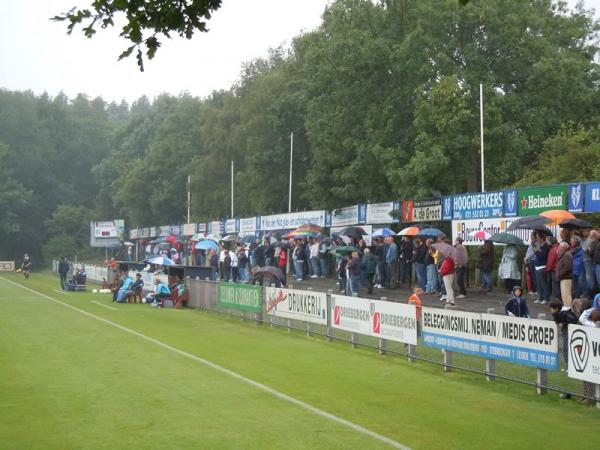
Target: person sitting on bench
124	289
136	288
161	291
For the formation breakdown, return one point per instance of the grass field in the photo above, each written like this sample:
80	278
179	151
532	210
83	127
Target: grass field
69	380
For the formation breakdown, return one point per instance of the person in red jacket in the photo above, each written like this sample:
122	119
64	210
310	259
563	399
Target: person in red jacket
551	268
447	271
282	263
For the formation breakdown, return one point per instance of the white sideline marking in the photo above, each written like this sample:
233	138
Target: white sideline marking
212	365
106	306
56	290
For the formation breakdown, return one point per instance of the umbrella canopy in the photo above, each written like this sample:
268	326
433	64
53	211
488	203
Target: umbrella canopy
340	252
277	234
248	239
445	250
214	237
507	238
302	234
383	232
353	232
158	240
480	234
557	216
571	224
172	239
162	260
207	244
310	227
410	231
536	222
128	244
197	237
273	271
430	232
231	237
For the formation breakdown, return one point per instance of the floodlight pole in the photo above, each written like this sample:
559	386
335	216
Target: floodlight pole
189	197
291	161
232	189
481	136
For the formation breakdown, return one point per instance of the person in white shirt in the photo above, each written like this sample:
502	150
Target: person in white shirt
314	258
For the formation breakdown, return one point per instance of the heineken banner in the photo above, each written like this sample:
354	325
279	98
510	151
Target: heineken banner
387	320
529	342
309	306
584	353
535	200
244	297
422	211
592	197
480	205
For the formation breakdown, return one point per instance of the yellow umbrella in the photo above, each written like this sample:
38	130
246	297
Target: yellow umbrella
557	216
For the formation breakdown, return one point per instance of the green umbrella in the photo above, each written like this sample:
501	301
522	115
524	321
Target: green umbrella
506	238
341	252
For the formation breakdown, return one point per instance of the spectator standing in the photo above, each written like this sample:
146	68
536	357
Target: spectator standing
323	251
355	272
314	258
282	263
579	281
226	267
485	263
564	273
419	254
461	269
63	270
380	250
269	253
447	270
595	256
259	254
391	263
369	266
405	259
298	259
530	261
553	284
517	306
588	265
541	259
431	269
508	271
213	261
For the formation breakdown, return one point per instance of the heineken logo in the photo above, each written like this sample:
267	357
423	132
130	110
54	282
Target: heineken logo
548	201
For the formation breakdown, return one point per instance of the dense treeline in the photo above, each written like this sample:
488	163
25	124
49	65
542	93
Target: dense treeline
383	101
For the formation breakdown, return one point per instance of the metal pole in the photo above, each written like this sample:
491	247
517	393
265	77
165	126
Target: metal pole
291	159
481	136
232	189
189	198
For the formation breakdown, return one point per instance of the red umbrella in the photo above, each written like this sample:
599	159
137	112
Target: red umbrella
171	239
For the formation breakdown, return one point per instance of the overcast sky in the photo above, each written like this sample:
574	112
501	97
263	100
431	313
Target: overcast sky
37	54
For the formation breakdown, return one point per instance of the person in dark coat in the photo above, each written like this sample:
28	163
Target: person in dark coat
369	266
406	255
564	273
485	264
516	306
63	270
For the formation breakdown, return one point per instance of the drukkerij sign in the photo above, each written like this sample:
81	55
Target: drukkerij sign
239	296
535	200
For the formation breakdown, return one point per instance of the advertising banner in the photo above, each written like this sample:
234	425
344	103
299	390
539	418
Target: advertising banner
164	230
463	229
387	320
310	306
344	217
447	208
510	203
528	342
189	229
134	234
248	226
422	211
291	220
584	353
201	228
245	297
176	230
535	200
230	226
379	213
108	233
575	198
479	205
592	198
217	227
7	266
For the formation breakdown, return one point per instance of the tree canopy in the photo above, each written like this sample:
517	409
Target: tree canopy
383	101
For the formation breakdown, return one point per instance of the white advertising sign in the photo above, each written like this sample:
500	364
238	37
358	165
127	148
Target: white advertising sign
379	213
310	306
105	229
387	320
188	229
7	265
584	353
230	226
248	226
523	341
292	220
464	228
344	216
201	228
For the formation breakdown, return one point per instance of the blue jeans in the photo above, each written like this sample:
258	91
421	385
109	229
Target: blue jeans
323	262
421	275
486	280
597	270
590	277
243	273
299	269
314	263
355	284
213	274
431	278
542	284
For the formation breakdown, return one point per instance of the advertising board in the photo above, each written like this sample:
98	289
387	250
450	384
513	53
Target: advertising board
584	353
243	297
479	205
310	306
528	342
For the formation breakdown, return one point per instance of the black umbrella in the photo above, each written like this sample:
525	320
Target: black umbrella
530	223
353	232
271	270
572	224
248	239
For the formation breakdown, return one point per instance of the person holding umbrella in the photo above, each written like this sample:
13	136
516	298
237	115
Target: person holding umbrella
508	271
485	263
461	266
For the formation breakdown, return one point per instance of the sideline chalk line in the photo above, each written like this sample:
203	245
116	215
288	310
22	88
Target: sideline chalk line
212	365
105	306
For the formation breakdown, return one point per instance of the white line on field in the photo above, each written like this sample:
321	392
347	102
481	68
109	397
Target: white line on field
106	306
231	373
56	290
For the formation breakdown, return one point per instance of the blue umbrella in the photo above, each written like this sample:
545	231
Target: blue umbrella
162	260
430	232
207	244
383	232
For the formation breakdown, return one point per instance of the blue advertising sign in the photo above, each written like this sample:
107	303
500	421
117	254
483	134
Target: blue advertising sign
575	198
362	214
511	207
530	342
592	197
175	230
479	205
447	208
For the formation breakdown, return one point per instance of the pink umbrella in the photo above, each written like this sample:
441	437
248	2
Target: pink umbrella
480	234
447	251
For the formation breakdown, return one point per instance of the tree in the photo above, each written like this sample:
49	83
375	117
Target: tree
145	21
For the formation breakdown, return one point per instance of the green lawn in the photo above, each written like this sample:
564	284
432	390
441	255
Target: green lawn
69	381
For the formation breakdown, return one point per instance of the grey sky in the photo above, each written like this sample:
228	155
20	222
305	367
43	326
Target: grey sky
37	54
